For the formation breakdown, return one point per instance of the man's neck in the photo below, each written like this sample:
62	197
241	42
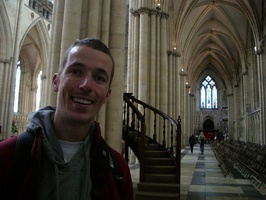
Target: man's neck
71	131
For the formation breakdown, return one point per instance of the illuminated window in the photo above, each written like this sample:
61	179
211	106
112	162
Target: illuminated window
208	94
38	93
17	87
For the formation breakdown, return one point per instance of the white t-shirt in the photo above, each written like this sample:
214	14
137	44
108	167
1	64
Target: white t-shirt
69	149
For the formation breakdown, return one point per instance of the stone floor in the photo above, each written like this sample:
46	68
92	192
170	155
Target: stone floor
202	179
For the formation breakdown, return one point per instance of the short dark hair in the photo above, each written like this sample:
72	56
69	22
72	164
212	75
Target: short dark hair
92	43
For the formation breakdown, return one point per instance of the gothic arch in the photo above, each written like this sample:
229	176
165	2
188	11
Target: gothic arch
33	55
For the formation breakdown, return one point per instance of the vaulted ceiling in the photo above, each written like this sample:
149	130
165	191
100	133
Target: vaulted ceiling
212	34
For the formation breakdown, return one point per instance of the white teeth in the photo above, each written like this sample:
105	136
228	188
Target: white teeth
83	101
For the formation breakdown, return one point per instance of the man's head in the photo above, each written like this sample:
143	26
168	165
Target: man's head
92	43
83	81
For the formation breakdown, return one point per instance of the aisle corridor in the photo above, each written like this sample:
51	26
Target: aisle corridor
202	179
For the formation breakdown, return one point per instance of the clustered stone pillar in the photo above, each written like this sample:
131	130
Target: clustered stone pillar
231	128
75	20
245	102
261	58
117	46
173	81
147	70
144	67
182	100
55	49
5	100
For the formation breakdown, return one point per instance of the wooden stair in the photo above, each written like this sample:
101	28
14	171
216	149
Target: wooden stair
159	177
159	161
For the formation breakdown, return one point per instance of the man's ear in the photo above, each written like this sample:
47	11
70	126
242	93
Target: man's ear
107	97
55	82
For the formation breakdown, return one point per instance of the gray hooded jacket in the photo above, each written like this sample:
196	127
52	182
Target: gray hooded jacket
60	180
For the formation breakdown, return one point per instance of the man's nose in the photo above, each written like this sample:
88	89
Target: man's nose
86	82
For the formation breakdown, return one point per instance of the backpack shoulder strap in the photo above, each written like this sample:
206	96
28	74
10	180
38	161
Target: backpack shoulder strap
23	149
101	166
20	165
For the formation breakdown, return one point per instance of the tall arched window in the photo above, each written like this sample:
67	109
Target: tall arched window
208	94
38	93
17	87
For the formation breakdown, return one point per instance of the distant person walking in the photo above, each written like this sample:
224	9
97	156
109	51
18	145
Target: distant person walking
192	142
202	140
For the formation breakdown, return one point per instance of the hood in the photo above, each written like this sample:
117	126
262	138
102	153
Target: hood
43	119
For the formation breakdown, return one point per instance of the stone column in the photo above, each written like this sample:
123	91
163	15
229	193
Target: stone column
143	87
181	100
170	85
158	60
132	62
177	77
163	70
235	110
130	51
246	102
152	71
10	66
135	71
71	25
190	117
2	100
66	30
163	66
263	82
101	11
174	114
114	112
232	135
6	110
153	55
55	50
261	58
95	16
187	106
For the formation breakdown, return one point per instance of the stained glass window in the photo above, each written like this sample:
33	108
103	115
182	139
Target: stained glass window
208	94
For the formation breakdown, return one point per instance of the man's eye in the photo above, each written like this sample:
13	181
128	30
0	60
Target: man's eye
76	72
100	78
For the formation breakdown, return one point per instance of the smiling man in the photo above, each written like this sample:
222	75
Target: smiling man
83	85
68	157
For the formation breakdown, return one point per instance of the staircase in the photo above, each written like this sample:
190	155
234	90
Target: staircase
159	175
159	162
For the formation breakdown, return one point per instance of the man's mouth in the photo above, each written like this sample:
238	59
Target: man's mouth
82	101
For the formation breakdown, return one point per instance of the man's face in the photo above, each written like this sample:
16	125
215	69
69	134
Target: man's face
83	85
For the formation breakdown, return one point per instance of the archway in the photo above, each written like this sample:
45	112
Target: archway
208	125
209	131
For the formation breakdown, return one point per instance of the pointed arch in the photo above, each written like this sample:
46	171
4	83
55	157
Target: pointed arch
208	93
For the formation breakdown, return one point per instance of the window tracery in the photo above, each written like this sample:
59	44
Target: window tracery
208	94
